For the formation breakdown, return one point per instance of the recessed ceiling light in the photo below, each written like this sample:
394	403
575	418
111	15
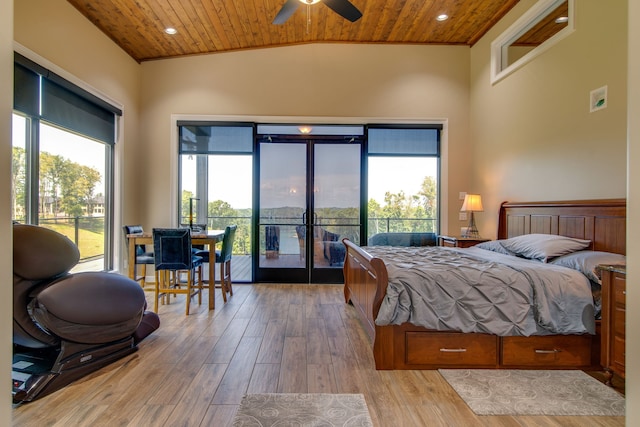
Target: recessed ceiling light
562	20
170	30
442	17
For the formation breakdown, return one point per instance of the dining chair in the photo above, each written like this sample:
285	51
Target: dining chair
173	255
223	257
142	258
196	228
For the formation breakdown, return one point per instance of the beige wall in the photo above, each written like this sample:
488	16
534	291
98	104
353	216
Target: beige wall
355	83
57	33
633	225
6	102
533	136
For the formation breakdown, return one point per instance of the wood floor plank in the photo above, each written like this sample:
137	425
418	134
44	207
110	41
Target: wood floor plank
321	379
150	416
318	352
273	342
296	321
220	415
268	338
333	320
82	415
226	346
236	379
264	378
293	376
312	301
192	407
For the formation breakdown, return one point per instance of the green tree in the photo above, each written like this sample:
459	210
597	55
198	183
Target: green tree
374	212
77	185
219	210
86	184
18	182
52	169
394	204
405	212
429	199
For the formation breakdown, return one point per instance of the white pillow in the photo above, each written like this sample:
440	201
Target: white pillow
587	262
494	246
543	247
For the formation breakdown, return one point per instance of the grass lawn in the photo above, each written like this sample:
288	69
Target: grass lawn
90	243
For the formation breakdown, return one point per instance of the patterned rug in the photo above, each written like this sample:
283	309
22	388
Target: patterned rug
309	410
534	392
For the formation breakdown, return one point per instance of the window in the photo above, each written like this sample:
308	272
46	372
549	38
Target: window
542	26
62	164
403	176
215	185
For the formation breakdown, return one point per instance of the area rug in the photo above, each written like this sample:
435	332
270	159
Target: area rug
534	392
309	410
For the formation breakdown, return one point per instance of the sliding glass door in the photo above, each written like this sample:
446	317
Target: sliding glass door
309	200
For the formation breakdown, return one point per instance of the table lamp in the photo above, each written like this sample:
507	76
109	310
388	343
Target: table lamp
472	203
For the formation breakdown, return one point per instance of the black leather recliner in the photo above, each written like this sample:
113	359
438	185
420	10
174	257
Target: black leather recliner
67	325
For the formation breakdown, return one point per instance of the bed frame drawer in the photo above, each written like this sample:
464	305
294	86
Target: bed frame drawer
569	351
451	349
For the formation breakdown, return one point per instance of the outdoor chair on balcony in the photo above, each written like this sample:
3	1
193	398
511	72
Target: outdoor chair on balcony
301	232
272	241
173	255
334	249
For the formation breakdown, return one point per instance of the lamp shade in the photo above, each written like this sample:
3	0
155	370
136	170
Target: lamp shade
472	203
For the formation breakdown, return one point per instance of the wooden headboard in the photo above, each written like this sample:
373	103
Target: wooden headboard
604	222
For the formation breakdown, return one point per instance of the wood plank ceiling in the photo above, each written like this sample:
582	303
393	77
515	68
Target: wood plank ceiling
210	26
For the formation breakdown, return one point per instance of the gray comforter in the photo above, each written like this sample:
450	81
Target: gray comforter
476	290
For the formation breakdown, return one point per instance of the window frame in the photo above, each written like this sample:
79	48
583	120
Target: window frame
437	154
34	119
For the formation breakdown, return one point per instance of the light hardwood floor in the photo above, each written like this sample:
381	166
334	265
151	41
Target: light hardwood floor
194	370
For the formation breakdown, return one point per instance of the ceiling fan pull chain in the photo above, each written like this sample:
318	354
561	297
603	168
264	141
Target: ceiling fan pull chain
308	17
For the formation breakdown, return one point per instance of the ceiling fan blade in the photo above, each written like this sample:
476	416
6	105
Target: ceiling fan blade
285	13
344	8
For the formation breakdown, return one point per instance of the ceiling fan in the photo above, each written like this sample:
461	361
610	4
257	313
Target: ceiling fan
343	8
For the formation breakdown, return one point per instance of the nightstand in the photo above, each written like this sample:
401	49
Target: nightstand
614	295
460	242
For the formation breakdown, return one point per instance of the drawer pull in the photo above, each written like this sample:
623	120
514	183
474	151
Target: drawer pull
453	350
555	350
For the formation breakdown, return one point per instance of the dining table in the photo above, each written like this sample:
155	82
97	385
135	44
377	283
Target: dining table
208	238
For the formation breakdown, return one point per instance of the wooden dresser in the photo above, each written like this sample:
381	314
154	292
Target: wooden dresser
614	290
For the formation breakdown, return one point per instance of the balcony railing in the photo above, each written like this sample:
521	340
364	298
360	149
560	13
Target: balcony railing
343	226
397	225
87	232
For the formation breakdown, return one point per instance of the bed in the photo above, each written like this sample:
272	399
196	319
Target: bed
601	223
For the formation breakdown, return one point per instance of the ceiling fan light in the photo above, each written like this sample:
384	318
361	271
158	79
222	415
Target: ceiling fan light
170	30
309	1
442	17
